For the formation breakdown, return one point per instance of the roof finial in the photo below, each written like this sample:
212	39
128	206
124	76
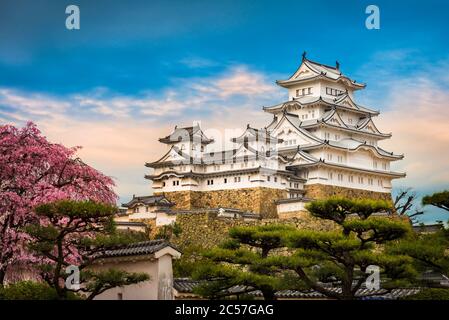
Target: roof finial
337	65
247	126
304	55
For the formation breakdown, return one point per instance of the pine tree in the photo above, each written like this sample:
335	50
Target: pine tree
77	233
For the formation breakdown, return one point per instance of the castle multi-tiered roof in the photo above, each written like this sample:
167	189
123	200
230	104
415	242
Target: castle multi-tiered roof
319	143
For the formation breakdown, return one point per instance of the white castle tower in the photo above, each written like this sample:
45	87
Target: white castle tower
320	143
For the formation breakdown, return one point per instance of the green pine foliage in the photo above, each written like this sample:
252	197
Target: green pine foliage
78	232
439	199
269	258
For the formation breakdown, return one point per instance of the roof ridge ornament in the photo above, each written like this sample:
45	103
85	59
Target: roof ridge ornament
304	55
337	65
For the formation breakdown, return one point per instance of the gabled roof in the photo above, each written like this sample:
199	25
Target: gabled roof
327	120
343	102
350	144
311	70
253	134
184	158
138	249
158	200
293	119
193	133
322	162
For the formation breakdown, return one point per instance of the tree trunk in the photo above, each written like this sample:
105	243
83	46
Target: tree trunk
268	294
2	276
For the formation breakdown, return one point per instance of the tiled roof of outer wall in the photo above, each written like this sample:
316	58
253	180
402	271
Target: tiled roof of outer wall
136	249
184	285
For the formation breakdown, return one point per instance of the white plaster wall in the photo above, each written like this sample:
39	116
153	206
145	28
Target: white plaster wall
146	290
290	207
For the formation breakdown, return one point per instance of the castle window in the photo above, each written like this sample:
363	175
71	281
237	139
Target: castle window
146	209
329	156
163	184
297	92
375	164
327	135
340	177
340	158
225	180
309	90
268	178
337	137
237	179
351	179
249	178
275	179
370	181
333	92
210	182
330	175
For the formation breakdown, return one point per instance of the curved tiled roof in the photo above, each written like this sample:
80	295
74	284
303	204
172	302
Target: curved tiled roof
185	134
185	285
159	200
137	249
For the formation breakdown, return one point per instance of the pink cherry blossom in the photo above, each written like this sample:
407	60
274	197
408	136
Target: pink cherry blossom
35	171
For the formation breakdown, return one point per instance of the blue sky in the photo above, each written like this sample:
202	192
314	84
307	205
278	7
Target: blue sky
146	66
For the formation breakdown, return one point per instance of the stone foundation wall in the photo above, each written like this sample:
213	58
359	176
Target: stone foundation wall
258	200
321	191
206	230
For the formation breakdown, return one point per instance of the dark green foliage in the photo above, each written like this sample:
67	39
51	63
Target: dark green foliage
273	257
338	209
439	199
98	282
190	261
168	231
243	261
28	290
429	251
78	232
430	294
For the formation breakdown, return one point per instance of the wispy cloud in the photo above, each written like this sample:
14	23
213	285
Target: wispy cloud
119	132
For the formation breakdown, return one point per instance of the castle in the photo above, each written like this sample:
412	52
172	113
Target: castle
319	143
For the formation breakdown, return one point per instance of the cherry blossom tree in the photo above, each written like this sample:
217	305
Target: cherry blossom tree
34	171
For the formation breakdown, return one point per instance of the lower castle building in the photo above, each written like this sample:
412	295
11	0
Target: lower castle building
319	143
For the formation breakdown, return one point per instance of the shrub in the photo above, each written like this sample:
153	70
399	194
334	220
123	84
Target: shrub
430	294
28	290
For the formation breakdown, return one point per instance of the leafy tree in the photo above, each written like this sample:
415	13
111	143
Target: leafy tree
342	256
439	199
35	171
242	261
77	233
